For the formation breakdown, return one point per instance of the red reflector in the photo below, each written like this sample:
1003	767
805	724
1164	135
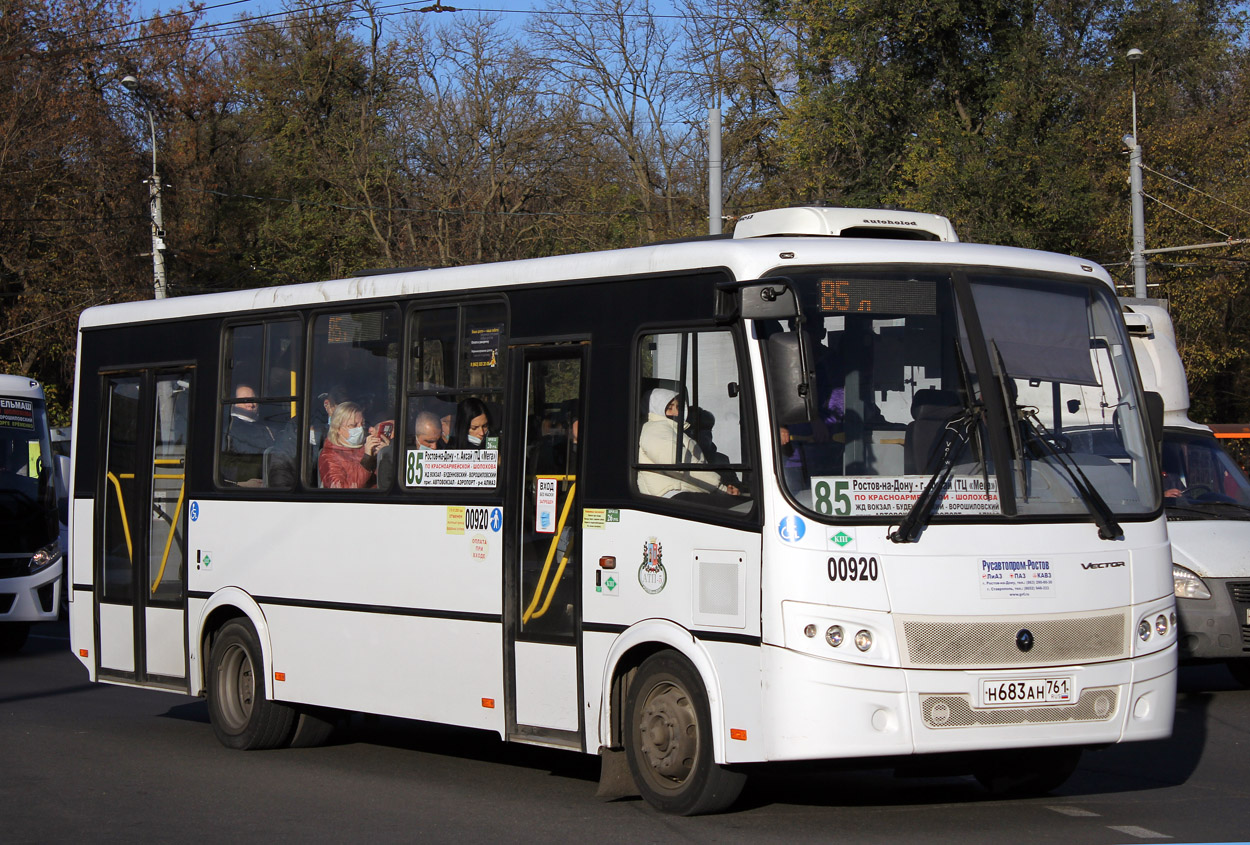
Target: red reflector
82	652
737	733
488	703
279	676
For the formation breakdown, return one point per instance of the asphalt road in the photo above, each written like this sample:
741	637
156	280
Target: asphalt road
83	761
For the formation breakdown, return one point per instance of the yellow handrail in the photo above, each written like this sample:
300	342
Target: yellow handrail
169	541
121	506
551	553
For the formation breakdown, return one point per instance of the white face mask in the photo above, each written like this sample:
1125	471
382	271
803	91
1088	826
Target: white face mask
356	436
474	440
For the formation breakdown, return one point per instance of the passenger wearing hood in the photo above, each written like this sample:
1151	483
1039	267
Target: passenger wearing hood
663	442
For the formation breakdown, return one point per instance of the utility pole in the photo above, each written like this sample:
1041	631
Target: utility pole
714	166
154	198
1138	258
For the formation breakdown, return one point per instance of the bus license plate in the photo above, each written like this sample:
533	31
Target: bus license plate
1025	692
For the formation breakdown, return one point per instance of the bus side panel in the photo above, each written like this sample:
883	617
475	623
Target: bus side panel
376	607
701	578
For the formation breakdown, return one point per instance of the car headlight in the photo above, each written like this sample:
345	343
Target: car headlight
45	557
1187	585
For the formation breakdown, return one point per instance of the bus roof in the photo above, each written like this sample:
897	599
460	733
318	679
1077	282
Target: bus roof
746	258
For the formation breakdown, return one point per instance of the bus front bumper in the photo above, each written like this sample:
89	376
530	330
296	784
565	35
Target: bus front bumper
823	709
32	598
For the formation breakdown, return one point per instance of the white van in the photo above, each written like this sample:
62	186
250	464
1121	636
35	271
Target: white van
1207	498
31	561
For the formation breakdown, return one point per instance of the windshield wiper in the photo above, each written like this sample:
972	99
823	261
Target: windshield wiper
1108	528
922	509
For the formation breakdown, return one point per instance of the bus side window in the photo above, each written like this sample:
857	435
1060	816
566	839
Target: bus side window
455	376
355	359
690	420
258	400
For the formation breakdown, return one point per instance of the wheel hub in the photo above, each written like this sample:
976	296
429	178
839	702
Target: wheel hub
670	738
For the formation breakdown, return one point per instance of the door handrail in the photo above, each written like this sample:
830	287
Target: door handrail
551	553
121	506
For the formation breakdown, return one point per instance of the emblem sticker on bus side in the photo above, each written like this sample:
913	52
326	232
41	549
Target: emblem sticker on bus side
651	574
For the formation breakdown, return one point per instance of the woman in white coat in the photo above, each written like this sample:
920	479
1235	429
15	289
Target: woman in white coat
658	444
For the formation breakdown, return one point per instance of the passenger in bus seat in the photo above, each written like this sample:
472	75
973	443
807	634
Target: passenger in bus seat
662	442
473	424
349	458
247	438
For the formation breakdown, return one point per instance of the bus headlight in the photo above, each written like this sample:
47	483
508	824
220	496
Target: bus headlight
1161	625
45	557
1187	585
863	640
834	635
1143	630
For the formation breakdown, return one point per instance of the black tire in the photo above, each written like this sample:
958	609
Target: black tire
1240	670
314	726
243	718
13	636
1026	772
668	740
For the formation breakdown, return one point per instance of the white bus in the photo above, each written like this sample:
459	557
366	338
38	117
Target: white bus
687	506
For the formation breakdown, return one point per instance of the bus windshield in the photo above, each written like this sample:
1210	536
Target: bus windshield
27	485
1014	394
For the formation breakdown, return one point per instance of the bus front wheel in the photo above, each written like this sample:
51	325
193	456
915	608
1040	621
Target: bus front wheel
242	717
668	740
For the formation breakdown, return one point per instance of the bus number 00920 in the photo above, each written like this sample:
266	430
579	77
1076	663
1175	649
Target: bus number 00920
853	569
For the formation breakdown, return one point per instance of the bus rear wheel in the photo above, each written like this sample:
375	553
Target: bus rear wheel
242	717
668	740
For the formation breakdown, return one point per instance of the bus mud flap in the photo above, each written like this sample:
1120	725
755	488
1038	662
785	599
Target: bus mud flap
615	781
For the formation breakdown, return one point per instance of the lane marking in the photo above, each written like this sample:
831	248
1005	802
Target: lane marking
1139	832
1073	811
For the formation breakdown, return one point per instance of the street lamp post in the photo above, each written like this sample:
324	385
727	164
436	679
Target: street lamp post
131	84
1138	257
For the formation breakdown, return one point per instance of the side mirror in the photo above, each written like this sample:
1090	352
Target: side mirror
787	378
769	301
1154	416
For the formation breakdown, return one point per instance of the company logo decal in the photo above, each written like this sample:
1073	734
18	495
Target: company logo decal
651	575
792	529
1105	564
842	538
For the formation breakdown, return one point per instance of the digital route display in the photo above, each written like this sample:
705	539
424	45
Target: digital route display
878	296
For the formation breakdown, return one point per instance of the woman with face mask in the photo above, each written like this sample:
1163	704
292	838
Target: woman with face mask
472	424
349	457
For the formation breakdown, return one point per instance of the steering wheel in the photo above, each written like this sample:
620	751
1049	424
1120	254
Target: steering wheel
1196	490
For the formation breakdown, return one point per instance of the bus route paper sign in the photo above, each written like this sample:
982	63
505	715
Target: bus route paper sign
885	495
451	467
17	413
545	505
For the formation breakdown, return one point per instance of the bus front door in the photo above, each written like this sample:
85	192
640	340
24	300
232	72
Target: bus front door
543	581
141	528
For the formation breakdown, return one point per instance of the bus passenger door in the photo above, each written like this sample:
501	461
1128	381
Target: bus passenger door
141	528
543	560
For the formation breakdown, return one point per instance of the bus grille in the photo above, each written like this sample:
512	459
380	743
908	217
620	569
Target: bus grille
989	643
954	711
